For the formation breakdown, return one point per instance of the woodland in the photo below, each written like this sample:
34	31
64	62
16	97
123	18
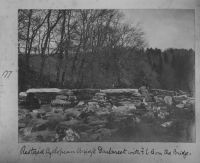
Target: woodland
95	49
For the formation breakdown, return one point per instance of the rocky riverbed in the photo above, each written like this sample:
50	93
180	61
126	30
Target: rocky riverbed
112	115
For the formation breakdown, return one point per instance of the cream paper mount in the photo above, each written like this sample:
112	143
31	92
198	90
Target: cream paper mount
16	146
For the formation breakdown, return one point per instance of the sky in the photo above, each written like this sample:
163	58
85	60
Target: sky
165	28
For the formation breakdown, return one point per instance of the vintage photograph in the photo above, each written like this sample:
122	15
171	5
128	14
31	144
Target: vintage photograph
106	75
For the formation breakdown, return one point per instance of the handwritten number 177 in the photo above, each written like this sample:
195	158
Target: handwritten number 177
6	74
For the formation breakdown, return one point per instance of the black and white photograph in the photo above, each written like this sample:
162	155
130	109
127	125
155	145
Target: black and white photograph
106	75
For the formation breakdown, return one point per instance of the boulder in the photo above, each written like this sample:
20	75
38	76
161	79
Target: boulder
120	109
86	112
144	92
22	94
168	100
102	113
144	102
72	112
100	94
100	97
137	119
34	114
128	105
180	106
156	109
22	98
70	136
67	96
93	103
106	107
58	110
180	98
158	99
40	113
131	107
22	113
73	99
180	92
167	124
62	97
65	133
124	110
44	94
163	115
27	131
92	106
163	92
190	103
114	107
58	102
135	94
69	93
81	103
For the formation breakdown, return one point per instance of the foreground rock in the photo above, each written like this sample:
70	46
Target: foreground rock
106	115
144	92
58	102
66	100
168	100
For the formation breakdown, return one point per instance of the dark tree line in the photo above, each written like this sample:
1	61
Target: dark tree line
94	49
175	68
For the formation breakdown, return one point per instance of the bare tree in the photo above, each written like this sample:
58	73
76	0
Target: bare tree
61	46
47	35
79	39
31	28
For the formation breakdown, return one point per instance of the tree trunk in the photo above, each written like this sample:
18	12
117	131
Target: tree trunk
27	52
66	49
44	47
61	48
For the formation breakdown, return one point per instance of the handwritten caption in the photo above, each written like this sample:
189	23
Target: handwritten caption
6	74
100	150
